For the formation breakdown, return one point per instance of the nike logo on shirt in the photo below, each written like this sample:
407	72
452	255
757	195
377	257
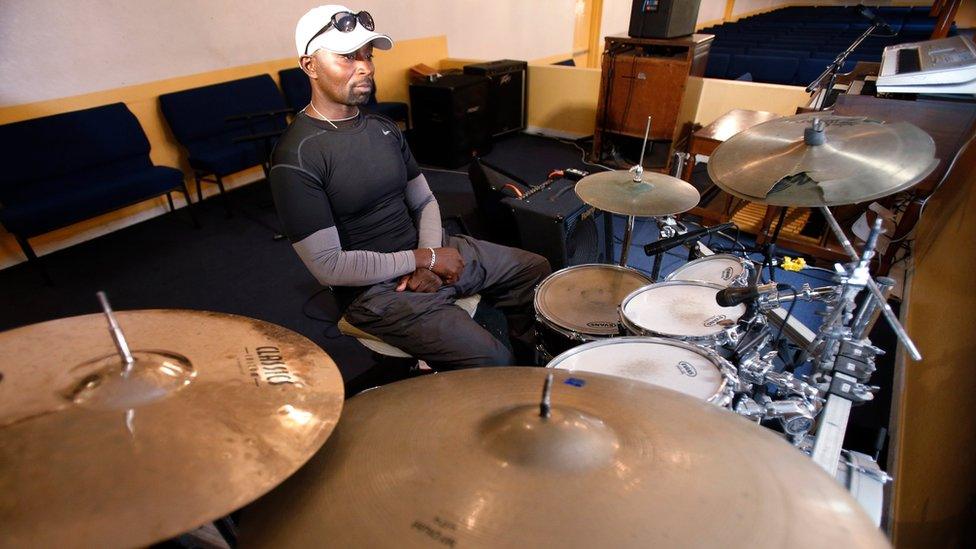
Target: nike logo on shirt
386	132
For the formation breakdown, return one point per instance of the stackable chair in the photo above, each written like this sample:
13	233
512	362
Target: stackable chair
298	93
69	167
227	127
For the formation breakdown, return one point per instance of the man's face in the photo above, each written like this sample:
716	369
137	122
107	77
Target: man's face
346	79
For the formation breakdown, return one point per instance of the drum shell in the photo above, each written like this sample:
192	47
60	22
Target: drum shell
723	395
723	337
725	276
864	480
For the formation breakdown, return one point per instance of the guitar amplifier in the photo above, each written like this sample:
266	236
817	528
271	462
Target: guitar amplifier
507	94
553	222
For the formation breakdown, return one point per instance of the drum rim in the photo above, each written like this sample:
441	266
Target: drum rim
713	338
723	395
741	260
567	331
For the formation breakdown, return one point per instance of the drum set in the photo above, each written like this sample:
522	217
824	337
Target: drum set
129	428
708	328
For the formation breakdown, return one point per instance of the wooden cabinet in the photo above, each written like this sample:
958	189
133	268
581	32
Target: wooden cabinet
642	77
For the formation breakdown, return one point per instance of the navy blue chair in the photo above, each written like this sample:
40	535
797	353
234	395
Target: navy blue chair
69	167
773	52
295	86
227	127
718	65
725	50
764	68
298	93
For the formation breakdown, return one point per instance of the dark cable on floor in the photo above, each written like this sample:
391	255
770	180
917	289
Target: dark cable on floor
315	317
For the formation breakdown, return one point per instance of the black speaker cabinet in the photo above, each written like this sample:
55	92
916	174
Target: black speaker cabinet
663	18
557	225
450	124
507	94
495	221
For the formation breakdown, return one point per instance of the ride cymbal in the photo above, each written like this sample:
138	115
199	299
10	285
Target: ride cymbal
655	194
216	410
463	459
779	162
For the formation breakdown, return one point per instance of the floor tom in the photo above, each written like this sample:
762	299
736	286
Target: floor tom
579	304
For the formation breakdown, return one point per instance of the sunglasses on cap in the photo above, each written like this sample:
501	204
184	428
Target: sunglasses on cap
344	21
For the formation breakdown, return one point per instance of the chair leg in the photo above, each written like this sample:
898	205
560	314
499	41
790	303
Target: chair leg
32	259
223	196
189	205
169	199
196	177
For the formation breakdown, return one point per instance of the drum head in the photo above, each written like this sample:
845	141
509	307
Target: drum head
680	308
671	364
584	298
719	269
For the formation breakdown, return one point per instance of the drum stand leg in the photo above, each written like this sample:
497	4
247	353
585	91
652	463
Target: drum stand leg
628	235
770	248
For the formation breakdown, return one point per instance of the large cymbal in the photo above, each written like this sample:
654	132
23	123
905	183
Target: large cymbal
462	459
656	194
217	410
861	160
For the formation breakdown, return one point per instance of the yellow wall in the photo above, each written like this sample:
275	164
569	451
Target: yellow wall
706	98
563	99
934	425
966	16
142	100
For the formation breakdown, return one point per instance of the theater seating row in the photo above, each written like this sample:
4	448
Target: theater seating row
73	166
793	45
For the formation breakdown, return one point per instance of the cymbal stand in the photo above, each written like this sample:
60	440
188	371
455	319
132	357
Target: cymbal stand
638	177
769	249
843	354
830	73
667	227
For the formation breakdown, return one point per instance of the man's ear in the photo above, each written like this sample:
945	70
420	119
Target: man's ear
307	63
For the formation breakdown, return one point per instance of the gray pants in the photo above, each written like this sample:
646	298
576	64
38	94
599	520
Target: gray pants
430	327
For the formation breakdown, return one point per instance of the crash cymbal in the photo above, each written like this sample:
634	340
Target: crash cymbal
656	193
463	459
859	160
216	410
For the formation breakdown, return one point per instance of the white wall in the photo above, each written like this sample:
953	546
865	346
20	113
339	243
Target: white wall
60	48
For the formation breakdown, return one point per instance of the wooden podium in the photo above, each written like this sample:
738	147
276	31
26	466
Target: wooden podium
642	77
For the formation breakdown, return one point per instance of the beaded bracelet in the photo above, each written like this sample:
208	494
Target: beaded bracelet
433	258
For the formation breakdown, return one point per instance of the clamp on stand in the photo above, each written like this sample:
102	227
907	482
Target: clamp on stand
844	354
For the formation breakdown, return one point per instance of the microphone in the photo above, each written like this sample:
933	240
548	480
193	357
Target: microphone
869	14
730	297
666	244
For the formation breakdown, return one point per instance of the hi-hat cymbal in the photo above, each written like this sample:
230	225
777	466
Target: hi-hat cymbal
463	459
216	410
860	160
656	194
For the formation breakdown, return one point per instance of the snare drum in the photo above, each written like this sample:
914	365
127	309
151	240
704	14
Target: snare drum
579	304
725	269
682	309
676	365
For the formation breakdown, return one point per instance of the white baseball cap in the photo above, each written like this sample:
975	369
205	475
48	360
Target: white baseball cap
333	39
